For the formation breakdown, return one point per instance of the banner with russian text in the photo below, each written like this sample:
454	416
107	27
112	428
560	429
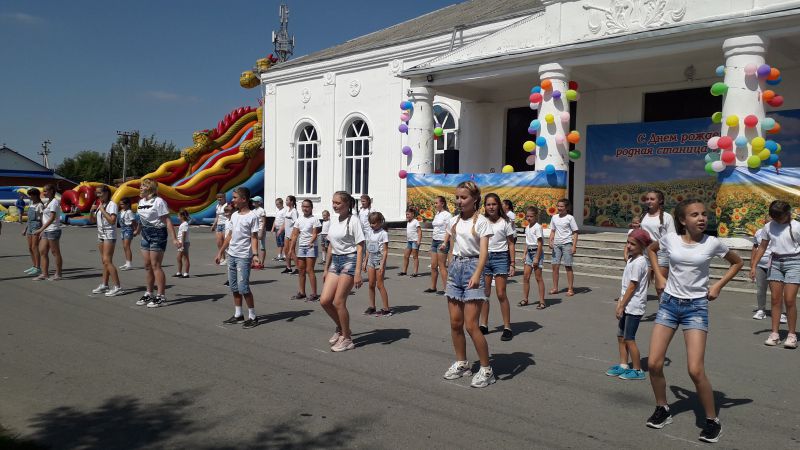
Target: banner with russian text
522	188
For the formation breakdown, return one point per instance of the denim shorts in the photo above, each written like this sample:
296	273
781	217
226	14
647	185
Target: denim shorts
412	245
691	314
343	264
530	253
32	227
239	274
459	272
154	239
785	270
51	235
497	264
562	254
374	260
186	246
101	239
325	242
280	238
307	251
436	244
127	233
220	228
627	326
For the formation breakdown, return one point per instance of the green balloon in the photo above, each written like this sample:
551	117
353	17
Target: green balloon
572	95
716	117
574	154
778	150
718	89
754	162
710	170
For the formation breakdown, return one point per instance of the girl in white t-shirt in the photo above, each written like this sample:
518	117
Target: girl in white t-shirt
564	243
326	224
218	227
499	264
182	257
440	246
305	232
364	210
277	228
34	223
104	213
631	306
50	234
657	223
155	227
342	268
782	236
534	257
377	241
413	240
127	223
636	224
684	303
469	233
288	226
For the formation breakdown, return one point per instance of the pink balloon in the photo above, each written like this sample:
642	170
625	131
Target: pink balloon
713	143
405	117
560	138
402	174
565	116
725	142
531	160
750	69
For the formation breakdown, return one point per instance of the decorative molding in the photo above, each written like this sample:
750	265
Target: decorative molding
270	89
395	66
305	95
625	16
354	87
329	79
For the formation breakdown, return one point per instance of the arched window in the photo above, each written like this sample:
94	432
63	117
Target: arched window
444	119
356	158
307	147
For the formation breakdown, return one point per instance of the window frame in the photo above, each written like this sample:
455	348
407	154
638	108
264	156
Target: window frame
356	183
304	139
441	144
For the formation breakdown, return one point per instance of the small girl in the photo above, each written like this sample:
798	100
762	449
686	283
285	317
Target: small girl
500	264
34	223
684	303
635	224
657	223
762	271
183	245
326	224
631	306
288	226
440	247
534	256
364	210
277	228
782	236
413	239
564	242
228	212
50	235
377	252
127	223
470	233
218	227
155	227
104	214
306	229
508	211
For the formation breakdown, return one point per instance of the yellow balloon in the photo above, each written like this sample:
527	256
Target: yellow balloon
549	118
732	120
508	169
528	146
758	143
764	154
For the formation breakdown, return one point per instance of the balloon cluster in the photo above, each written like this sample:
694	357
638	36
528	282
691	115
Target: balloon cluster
537	96
765	152
406	110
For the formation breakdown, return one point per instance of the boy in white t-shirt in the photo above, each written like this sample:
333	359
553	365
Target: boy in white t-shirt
182	257
277	228
258	210
564	243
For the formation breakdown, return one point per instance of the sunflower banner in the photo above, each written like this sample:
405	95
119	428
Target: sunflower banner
522	188
744	197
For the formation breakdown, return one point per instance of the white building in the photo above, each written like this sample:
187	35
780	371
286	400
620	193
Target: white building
331	118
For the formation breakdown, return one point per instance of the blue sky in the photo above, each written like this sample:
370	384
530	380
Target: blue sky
75	72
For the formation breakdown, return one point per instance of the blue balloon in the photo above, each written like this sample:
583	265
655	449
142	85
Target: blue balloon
767	123
406	105
720	71
775	82
536	90
550	169
535	124
541	141
771	145
772	159
531	131
741	141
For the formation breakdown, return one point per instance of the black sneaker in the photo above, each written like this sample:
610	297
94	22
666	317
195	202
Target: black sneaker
712	431
429	291
439	292
250	323
660	418
507	335
233	320
295	272
401	274
144	300
226	283
370	311
286	270
484	329
177	275
158	300
186	275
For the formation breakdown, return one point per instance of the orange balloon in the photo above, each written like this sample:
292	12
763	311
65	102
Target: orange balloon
547	85
573	138
774	74
768	95
776	129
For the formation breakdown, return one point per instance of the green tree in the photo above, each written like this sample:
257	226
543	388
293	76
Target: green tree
144	156
84	166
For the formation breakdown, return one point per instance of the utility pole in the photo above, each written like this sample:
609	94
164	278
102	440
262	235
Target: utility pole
126	135
45	151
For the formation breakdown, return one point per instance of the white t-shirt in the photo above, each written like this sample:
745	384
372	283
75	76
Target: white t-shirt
440	221
467	243
689	264
501	230
183	228
306	226
52	209
653	225
782	241
151	210
262	216
280	218
288	220
106	229
126	218
636	270
228	226
411	230
363	217
220	212
243	227
759	236
325	226
533	233
512	216
563	227
343	237
376	239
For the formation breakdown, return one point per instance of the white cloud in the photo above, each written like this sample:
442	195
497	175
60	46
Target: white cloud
165	96
21	18
598	175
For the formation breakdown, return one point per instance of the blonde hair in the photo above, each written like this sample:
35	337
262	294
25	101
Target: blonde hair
149	187
475	193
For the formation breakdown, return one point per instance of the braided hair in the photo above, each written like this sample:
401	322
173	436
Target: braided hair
475	193
660	196
780	210
347	199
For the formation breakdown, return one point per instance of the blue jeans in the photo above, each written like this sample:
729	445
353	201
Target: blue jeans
239	274
497	264
627	326
690	313
280	238
785	270
343	264
154	239
458	274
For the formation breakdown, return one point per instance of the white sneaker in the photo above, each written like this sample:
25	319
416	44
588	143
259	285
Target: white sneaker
100	289
335	338
222	262
483	378
773	339
783	318
125	266
114	291
157	301
759	315
791	341
457	370
343	344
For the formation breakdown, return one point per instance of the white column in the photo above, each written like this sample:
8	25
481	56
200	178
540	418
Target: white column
553	153
743	97
420	131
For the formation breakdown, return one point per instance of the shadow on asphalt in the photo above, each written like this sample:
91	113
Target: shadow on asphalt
256	282
296	434
203	275
183	298
508	365
688	401
385	336
405	308
520	327
289	316
13	256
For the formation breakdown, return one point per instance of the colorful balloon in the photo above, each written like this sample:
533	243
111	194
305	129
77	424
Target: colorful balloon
406	150
713	143
732	120
573	85
764	154
573	137
536	90
406	105
535	124
775	82
772	159
405	117
720	71
709	170
717	166
438	132
750	121
716	117
775	129
758	143
549	118
534	106
529	146
575	154
728	157
776	102
556	94
530	160
763	71
531	131
754	162
508	169
767	123
560	138
403	128
402	174
774	74
750	69
572	95
565	117
771	145
740	141
547	85
768	95
550	169
725	142
541	141
718	89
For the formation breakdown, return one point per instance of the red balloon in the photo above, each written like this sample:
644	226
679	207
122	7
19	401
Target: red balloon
776	101
68	199
573	85
725	142
778	165
750	121
535	98
728	157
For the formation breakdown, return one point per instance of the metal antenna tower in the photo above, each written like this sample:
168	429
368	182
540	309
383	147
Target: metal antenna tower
284	45
45	151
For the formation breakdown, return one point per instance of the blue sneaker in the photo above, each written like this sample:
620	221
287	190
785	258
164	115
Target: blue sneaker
615	371
632	374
